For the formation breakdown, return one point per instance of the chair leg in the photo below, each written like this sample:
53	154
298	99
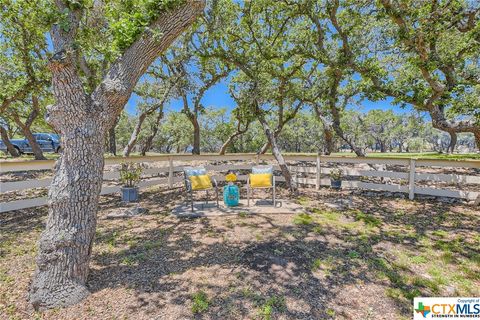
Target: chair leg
248	195
216	196
191	199
206	199
273	192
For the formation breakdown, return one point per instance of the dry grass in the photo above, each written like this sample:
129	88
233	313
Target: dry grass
366	261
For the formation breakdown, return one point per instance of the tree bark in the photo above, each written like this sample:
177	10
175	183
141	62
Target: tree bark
332	104
36	150
453	142
65	246
228	142
149	141
134	137
196	135
383	148
328	141
25	127
278	155
143	115
66	243
232	137
14	152
476	134
112	141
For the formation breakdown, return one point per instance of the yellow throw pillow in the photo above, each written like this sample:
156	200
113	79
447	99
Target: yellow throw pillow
201	182
260	180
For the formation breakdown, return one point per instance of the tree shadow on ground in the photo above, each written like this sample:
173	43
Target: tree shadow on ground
292	262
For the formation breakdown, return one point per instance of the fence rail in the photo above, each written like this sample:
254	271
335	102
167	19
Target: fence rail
306	166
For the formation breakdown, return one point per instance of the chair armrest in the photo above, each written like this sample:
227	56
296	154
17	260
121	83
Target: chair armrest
215	182
188	185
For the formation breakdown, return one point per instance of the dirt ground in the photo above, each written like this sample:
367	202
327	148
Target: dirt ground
349	256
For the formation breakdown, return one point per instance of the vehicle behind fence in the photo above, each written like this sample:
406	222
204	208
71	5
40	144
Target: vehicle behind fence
437	178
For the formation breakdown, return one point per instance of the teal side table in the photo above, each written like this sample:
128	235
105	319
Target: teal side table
231	195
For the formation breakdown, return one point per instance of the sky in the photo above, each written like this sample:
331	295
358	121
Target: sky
218	97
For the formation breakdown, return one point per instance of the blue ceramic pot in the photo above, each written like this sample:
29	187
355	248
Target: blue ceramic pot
336	184
231	195
130	194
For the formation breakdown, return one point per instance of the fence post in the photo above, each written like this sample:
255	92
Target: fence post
411	180
317	182
170	172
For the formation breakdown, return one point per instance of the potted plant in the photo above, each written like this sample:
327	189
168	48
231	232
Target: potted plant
335	178
130	174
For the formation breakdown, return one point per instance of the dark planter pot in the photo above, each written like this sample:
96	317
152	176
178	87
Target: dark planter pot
336	184
130	194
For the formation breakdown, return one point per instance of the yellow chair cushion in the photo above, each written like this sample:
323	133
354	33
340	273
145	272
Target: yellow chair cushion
260	180
201	182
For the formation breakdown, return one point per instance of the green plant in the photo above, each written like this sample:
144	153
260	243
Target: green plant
336	174
303	219
271	304
130	174
316	264
200	302
243	214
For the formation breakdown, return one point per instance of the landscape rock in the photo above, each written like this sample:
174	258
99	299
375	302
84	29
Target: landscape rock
126	212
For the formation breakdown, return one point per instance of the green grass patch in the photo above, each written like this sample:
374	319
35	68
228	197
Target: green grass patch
274	303
302	200
369	219
303	219
133	259
440	233
243	214
418	260
353	254
316	264
152	244
200	302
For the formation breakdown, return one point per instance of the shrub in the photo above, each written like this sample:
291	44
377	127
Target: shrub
130	174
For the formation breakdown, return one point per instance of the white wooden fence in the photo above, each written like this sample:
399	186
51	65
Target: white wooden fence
308	170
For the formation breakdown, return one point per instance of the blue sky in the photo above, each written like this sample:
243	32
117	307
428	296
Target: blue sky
218	97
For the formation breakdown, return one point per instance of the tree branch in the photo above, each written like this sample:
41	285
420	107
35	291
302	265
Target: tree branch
115	89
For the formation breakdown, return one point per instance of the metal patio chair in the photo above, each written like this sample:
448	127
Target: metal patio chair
196	171
256	170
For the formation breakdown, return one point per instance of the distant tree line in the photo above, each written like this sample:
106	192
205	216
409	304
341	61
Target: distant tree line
373	131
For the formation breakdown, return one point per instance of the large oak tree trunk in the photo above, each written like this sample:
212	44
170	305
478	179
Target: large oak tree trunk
66	243
83	120
6	141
